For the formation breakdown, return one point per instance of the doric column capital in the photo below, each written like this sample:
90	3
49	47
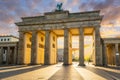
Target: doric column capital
21	32
81	30
34	32
105	45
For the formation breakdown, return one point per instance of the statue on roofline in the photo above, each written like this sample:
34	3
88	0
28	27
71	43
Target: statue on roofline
59	7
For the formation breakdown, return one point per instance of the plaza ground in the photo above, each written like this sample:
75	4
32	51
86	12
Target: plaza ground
59	72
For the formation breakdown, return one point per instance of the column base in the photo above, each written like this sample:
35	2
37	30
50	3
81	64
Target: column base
33	64
81	65
67	64
50	64
100	64
117	64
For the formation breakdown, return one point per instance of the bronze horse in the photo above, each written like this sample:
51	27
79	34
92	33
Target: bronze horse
59	6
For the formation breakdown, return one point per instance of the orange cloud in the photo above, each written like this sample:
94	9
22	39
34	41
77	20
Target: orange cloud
110	32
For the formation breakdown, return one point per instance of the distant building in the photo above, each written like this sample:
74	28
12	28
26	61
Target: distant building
8	49
75	54
60	55
111	48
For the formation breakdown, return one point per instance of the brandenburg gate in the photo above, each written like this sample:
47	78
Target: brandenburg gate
38	36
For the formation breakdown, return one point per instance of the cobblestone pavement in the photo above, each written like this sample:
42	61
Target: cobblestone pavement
58	72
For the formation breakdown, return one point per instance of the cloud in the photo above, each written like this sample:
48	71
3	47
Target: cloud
63	1
75	2
110	31
109	8
12	10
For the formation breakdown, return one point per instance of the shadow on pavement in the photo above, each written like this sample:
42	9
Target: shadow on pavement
12	67
114	67
101	72
20	71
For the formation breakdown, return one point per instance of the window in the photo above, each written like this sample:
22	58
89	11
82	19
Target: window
30	39
1	39
53	38
4	39
8	39
42	39
53	45
28	46
41	46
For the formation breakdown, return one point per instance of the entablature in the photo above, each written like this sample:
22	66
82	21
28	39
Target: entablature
60	26
61	17
111	40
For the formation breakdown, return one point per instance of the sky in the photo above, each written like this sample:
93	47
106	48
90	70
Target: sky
11	11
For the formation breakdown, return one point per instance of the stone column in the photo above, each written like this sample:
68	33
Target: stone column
8	55
81	47
105	61
21	48
34	48
67	46
47	48
98	53
1	54
15	55
117	55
